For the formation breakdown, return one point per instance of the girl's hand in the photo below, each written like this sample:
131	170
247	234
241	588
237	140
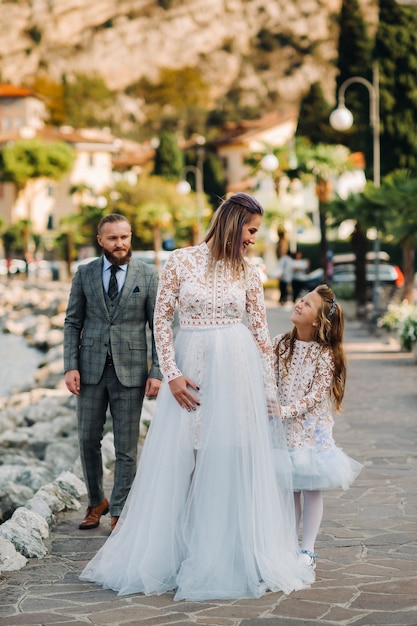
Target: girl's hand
180	389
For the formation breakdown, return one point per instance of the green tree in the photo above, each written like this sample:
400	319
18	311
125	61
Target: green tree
397	199
214	179
313	119
355	47
169	159
357	208
53	95
396	52
25	159
323	163
157	212
15	239
87	100
176	101
28	159
77	230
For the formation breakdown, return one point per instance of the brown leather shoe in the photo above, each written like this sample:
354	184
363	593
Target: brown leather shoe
113	522
93	514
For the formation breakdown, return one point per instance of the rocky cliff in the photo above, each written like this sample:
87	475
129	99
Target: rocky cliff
257	46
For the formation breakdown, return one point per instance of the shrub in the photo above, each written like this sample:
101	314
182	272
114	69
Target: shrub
401	318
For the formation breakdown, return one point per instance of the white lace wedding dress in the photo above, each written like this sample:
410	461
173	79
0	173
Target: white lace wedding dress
206	515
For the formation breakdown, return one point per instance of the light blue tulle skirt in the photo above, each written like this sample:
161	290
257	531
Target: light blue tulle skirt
316	470
207	516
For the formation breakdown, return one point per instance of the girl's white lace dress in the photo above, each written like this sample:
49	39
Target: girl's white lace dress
206	515
307	412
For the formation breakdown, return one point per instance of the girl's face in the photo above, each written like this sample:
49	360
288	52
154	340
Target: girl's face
306	312
249	232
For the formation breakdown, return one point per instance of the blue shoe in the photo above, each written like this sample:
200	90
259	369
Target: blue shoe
309	558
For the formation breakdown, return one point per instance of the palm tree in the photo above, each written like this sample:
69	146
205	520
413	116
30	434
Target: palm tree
155	209
323	162
357	208
397	196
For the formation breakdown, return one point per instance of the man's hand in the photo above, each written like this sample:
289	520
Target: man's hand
72	381
152	387
180	390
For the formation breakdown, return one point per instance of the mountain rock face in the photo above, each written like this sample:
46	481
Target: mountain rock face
256	46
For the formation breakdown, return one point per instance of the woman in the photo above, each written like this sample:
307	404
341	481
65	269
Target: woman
206	515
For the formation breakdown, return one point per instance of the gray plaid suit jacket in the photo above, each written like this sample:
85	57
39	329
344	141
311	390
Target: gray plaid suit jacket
89	329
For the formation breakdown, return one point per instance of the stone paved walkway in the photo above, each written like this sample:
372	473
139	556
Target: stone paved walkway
367	567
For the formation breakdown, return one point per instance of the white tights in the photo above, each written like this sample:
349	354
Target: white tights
312	513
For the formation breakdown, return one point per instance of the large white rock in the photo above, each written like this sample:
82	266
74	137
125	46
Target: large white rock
26	530
10	559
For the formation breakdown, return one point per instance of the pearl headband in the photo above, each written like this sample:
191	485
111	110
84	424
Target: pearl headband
332	309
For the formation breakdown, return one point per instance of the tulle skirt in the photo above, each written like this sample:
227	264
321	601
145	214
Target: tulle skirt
207	515
315	470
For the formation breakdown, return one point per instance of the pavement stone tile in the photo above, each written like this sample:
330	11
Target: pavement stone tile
380	618
388	602
280	621
234	611
164	601
124	614
401	587
294	607
215	621
36	619
341	615
44	603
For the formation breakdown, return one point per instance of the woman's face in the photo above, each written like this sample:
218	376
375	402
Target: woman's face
249	232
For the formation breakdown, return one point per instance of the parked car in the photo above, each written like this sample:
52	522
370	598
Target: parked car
311	280
387	274
12	266
45	270
75	264
390	276
149	257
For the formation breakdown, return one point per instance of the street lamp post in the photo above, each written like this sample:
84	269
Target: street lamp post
342	119
184	187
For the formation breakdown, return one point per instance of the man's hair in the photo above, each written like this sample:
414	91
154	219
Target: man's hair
113	217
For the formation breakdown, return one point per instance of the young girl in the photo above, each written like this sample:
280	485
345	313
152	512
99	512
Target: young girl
310	369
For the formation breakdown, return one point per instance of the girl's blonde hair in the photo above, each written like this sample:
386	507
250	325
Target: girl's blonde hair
225	232
329	333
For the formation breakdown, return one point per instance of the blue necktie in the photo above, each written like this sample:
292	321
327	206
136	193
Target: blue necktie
113	286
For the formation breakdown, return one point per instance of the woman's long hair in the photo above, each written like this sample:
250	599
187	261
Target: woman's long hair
329	332
225	232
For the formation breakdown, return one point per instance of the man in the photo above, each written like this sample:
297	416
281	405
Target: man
286	265
111	302
300	268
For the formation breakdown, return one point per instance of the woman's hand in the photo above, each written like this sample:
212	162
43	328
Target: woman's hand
180	389
274	410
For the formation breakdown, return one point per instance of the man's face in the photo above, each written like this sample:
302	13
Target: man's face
115	238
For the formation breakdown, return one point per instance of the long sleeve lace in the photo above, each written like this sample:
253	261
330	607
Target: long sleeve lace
167	298
257	323
306	386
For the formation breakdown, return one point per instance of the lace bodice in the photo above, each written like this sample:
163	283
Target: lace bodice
208	297
304	395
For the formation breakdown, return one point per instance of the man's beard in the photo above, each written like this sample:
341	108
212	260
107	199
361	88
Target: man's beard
114	260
